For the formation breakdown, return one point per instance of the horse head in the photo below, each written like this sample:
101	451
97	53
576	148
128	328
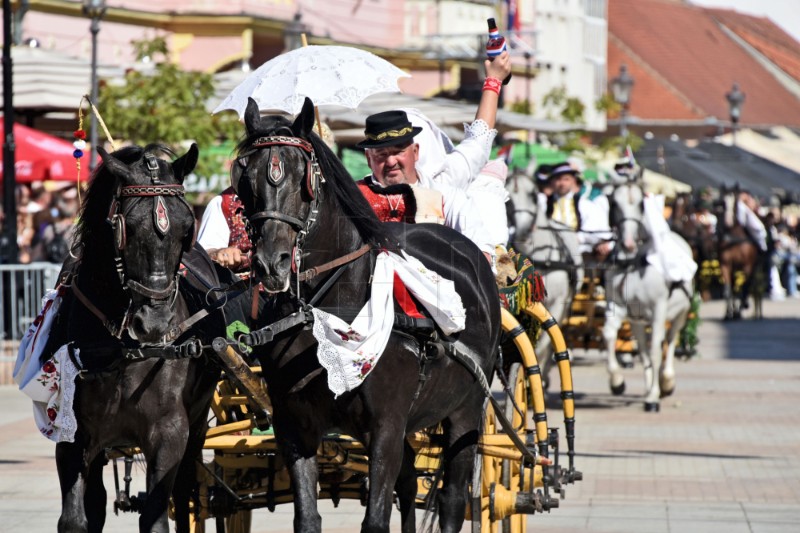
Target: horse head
522	191
627	216
278	179
151	225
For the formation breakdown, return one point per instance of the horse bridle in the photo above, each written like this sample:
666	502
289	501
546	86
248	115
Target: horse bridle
275	177
116	217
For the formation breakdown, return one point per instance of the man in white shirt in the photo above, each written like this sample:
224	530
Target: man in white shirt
576	211
438	189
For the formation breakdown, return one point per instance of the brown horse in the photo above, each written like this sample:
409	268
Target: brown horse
736	252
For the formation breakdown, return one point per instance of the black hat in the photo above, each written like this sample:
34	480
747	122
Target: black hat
389	128
542	172
564	168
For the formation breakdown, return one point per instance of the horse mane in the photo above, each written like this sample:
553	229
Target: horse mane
92	229
345	191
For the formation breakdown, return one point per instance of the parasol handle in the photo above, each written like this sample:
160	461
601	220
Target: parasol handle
304	40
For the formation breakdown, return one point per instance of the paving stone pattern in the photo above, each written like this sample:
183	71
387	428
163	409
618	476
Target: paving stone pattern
723	455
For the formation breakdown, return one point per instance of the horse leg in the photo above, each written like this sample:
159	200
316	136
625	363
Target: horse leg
186	480
387	442
73	473
298	445
163	456
614	316
95	497
406	488
727	290
461	430
654	351
679	318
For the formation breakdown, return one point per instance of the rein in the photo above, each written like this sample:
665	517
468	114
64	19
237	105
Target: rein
313	272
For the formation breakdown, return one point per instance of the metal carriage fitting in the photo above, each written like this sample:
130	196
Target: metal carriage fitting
540	313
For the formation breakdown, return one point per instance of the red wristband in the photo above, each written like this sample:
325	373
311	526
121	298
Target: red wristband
492	84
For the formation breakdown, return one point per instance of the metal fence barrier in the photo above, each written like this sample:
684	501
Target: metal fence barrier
21	290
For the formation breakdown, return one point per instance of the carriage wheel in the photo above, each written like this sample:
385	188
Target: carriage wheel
485	476
510	473
491	472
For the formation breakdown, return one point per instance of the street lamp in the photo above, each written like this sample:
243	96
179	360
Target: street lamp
293	33
621	91
528	101
735	99
94	9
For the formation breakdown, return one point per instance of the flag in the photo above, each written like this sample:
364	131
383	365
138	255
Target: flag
629	155
506	153
513	15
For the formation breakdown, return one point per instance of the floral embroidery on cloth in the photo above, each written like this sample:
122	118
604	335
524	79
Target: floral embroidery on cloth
51	386
349	352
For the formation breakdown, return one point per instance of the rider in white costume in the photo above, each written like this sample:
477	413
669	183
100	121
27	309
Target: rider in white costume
745	214
466	167
569	207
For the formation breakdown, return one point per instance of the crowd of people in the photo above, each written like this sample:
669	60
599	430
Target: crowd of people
419	175
46	214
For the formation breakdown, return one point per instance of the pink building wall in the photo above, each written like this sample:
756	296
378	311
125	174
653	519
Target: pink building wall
367	22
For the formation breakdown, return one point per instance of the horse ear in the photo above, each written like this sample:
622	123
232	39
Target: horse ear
186	163
252	117
304	122
114	165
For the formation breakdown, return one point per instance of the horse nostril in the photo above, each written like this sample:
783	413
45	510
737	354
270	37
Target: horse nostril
281	261
258	267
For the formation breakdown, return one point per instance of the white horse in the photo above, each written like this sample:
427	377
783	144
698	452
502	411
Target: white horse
554	251
637	288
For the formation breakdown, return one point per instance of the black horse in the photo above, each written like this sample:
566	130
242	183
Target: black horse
124	317
305	211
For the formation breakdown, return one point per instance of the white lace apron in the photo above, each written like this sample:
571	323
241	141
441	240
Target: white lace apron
51	386
349	352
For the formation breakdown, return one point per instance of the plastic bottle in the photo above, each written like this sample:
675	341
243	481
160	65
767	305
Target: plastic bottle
496	44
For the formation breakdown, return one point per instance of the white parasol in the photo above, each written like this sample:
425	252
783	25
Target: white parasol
329	75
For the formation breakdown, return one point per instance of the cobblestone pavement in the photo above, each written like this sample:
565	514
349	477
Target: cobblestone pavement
722	455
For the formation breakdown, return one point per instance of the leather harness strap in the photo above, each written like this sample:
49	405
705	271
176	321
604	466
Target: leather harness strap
313	272
109	325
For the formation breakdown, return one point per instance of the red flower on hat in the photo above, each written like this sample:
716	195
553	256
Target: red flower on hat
51	414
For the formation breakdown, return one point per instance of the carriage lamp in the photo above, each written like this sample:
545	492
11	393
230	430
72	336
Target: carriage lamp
95	10
292	33
621	86
735	99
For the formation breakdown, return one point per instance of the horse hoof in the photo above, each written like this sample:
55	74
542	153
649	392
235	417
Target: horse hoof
618	390
625	360
666	385
652	407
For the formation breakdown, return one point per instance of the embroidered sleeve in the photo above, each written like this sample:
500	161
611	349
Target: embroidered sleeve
480	130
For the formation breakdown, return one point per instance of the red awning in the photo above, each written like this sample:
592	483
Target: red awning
40	156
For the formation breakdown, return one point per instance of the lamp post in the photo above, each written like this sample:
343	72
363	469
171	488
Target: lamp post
528	101
9	251
621	87
94	9
292	33
735	99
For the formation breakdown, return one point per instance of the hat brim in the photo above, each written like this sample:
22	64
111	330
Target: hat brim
389	141
565	171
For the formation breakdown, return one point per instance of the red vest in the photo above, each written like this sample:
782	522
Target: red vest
392	204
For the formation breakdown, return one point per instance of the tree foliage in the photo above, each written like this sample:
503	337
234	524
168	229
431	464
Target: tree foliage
162	103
